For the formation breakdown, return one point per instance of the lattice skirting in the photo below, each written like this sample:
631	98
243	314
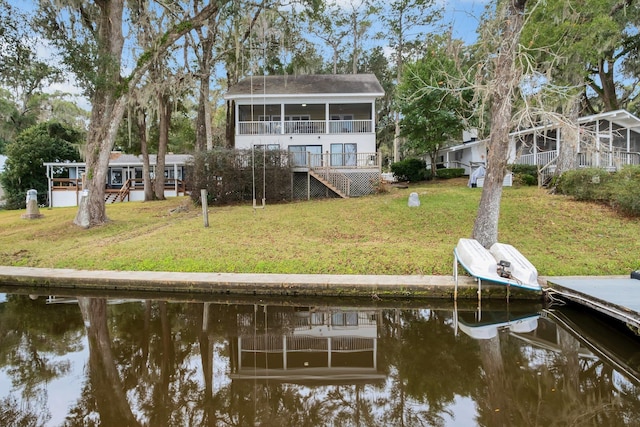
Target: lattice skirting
362	183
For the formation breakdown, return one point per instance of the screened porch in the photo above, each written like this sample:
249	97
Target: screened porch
303	118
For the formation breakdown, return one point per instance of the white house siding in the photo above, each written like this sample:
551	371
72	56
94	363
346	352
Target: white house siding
61	199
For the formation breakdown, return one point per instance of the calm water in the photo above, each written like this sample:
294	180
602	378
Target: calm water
94	360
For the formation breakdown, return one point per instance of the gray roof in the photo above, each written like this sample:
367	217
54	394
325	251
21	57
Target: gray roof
313	84
122	159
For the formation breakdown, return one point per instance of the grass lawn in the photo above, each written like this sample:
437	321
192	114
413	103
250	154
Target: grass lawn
376	234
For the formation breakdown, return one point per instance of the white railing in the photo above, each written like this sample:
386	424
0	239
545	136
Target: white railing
304	127
342	160
350	126
261	343
349	344
539	159
259	128
608	159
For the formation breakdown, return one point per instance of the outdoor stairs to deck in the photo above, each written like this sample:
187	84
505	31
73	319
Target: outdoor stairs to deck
119	196
334	181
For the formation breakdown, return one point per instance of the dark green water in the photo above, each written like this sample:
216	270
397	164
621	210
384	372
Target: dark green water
153	360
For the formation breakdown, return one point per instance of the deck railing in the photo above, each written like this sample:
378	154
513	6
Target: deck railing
337	160
608	159
66	184
540	159
304	127
75	184
593	159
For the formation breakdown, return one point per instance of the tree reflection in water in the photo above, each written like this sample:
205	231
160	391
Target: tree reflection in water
163	363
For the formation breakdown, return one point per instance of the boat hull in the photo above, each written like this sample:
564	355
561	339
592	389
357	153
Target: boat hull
483	264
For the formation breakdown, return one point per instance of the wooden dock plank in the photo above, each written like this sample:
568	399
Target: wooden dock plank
618	296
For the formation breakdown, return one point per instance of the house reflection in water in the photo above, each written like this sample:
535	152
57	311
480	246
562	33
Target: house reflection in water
306	344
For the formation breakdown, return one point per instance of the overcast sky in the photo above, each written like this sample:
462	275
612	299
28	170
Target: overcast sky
462	15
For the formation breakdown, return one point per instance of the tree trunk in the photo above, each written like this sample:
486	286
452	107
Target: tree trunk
609	95
164	122
505	80
204	138
109	391
144	149
495	398
106	114
230	125
569	141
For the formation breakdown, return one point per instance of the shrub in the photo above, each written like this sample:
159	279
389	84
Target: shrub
450	173
588	184
24	168
525	174
411	170
624	190
228	176
619	189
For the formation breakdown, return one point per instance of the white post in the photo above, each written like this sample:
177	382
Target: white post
326	117
205	210
175	178
49	186
282	119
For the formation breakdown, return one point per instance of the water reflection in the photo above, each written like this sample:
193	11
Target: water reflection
93	360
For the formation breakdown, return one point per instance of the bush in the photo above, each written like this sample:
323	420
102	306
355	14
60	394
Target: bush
450	173
525	174
24	168
618	189
624	190
228	176
412	170
588	184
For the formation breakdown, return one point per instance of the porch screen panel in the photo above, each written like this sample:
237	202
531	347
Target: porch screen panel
634	142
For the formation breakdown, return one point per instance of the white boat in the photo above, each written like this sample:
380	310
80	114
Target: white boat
501	264
485	331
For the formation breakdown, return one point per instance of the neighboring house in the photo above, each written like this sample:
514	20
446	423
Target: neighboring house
325	122
124	178
607	140
3	159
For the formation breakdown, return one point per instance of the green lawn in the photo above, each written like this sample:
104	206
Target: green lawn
377	234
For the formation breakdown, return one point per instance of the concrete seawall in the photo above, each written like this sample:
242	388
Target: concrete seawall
256	284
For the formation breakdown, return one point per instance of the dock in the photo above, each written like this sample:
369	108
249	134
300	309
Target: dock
615	296
373	286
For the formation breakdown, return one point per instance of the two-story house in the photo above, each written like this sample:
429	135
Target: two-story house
325	122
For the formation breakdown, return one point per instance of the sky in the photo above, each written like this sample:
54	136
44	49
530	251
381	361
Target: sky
462	15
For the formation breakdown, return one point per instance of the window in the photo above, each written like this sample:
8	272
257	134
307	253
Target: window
116	176
300	153
344	154
348	318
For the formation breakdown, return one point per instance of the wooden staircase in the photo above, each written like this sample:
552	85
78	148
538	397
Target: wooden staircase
120	195
337	182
